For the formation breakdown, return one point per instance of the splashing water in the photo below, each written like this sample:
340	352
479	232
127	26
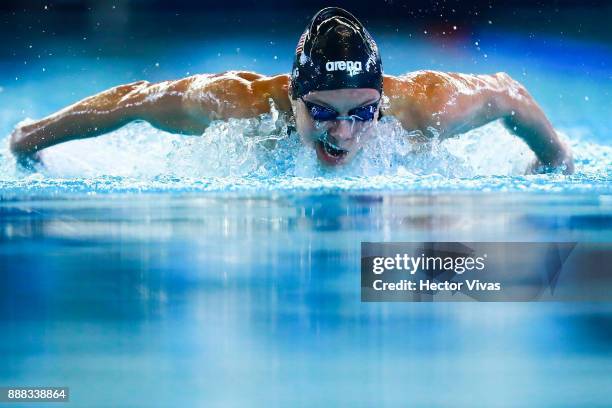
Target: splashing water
263	154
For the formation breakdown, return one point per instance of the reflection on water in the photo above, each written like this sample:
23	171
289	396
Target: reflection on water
221	300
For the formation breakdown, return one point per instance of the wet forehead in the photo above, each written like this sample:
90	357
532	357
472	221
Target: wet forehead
343	99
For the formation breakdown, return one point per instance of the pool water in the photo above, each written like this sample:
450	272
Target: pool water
180	300
149	269
574	92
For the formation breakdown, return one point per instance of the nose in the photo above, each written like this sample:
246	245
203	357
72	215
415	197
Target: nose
342	130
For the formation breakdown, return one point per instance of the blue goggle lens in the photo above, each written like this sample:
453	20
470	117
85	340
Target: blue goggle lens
364	113
322	113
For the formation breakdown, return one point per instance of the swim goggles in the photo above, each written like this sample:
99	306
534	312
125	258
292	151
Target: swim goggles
321	113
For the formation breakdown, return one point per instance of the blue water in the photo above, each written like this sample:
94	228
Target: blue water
166	300
571	81
148	269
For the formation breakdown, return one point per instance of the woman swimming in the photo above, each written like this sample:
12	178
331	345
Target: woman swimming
335	93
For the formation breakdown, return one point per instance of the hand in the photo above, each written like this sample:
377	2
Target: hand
28	162
568	162
16	140
564	163
25	159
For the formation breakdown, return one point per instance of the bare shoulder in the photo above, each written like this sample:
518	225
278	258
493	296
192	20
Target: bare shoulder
415	96
234	93
275	88
431	83
428	84
416	82
229	78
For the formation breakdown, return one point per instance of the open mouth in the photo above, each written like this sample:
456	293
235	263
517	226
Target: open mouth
329	153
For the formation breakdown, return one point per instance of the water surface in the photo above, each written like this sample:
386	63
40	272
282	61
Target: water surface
148	269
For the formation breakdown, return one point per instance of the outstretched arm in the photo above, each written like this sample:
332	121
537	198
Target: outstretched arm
455	103
183	106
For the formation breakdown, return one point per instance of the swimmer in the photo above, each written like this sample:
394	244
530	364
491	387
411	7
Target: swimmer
335	93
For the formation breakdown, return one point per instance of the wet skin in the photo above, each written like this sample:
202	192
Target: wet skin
336	141
451	103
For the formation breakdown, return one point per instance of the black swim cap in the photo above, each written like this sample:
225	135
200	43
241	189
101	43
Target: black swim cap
335	52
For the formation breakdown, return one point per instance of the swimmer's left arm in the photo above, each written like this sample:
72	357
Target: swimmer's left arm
522	116
456	103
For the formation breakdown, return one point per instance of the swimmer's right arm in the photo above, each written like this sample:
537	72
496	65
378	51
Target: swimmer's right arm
184	106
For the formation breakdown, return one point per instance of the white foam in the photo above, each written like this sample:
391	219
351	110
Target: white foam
233	153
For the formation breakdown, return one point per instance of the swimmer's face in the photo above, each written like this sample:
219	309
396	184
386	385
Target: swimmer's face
336	141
